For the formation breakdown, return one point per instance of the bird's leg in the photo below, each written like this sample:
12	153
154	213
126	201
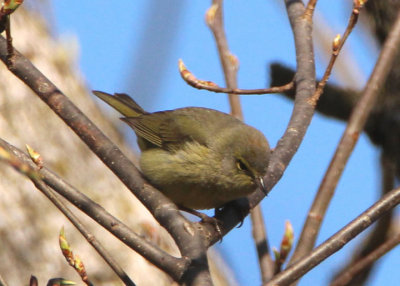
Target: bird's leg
204	218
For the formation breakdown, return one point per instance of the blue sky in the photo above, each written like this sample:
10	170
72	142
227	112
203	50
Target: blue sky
113	58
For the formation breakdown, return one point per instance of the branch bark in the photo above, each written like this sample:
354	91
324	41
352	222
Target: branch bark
26	165
337	241
365	263
301	115
347	143
187	236
149	251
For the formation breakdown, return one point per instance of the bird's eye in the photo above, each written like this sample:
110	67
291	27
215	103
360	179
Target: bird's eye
241	166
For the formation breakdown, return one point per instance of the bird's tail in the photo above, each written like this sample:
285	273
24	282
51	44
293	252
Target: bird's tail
121	102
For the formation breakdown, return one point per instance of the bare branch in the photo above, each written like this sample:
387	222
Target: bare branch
214	19
229	62
335	101
338	240
337	46
172	265
29	170
211	86
309	13
380	232
366	262
187	236
347	143
301	116
260	238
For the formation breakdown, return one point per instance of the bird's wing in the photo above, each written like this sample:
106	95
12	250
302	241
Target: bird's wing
147	128
170	129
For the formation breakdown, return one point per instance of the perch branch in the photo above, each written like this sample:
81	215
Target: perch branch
301	116
187	235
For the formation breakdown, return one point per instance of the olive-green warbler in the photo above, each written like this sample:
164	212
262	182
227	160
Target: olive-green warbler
198	157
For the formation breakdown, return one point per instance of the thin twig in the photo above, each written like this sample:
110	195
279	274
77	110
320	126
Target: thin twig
50	194
213	87
214	18
10	48
6	9
309	13
366	261
156	256
354	127
381	230
229	62
260	238
338	240
336	48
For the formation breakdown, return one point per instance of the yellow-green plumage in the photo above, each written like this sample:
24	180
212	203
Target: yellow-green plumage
200	158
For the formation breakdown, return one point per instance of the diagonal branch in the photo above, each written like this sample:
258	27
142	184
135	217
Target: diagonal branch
354	128
337	46
31	171
187	236
366	262
379	234
149	251
338	240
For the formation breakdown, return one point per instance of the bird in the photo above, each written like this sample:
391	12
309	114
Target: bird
199	158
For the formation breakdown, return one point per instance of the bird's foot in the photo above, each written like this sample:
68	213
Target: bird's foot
205	219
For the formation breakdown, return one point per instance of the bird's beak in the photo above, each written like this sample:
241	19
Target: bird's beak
261	185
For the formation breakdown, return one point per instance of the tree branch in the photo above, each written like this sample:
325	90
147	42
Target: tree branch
229	62
300	119
337	46
260	238
29	168
187	235
230	65
172	265
354	270
380	232
338	240
213	87
347	143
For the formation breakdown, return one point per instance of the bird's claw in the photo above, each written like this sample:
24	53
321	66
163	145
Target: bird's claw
205	219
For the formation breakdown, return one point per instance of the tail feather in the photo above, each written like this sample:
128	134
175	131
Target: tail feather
121	102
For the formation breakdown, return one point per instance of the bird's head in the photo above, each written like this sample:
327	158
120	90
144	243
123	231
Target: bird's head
245	156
